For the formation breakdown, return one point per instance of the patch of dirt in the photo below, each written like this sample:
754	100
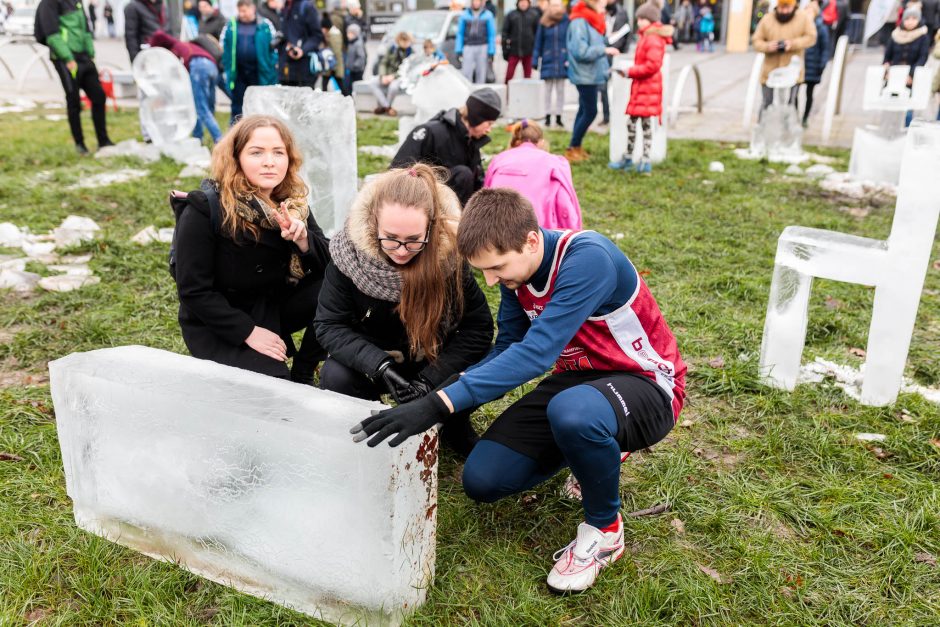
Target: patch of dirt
12	375
723	457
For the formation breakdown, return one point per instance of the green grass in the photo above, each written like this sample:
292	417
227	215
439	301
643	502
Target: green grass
804	524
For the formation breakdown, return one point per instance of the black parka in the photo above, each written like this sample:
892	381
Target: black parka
226	289
519	32
142	18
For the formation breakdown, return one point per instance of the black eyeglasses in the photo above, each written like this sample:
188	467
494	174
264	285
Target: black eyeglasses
412	246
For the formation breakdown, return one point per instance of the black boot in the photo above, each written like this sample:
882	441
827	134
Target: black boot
458	435
81	150
548	120
558	122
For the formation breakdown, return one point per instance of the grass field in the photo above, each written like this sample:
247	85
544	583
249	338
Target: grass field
778	515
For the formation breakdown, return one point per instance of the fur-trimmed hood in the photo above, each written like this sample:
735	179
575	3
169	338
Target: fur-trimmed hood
903	37
362	231
666	31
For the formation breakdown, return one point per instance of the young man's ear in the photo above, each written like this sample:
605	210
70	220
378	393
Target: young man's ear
532	241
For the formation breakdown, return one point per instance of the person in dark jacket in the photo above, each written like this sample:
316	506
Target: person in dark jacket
249	266
385	86
211	22
452	139
476	41
300	25
270	10
931	14
355	56
550	57
519	38
618	35
247	56
72	52
400	311
142	18
908	45
815	59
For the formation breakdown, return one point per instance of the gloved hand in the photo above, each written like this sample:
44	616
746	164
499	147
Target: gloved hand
405	421
393	382
417	387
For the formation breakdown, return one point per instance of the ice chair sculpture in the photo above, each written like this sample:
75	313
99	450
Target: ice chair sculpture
895	267
324	126
167	111
778	135
619	96
877	148
247	480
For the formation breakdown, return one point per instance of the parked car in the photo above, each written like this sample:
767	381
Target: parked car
21	23
438	26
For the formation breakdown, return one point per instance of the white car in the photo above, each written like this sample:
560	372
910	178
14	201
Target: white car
21	23
436	25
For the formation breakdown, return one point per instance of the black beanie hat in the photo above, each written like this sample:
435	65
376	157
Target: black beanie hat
483	105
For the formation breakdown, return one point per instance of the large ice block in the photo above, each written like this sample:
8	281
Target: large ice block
324	126
778	135
442	88
526	99
247	480
896	267
619	96
876	155
167	110
889	91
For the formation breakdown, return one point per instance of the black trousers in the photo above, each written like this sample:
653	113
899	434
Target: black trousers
463	182
85	79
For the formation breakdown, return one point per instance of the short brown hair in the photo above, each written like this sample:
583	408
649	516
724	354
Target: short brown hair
499	219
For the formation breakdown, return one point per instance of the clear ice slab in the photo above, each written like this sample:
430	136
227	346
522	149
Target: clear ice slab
167	110
526	99
247	480
324	126
778	136
619	96
895	267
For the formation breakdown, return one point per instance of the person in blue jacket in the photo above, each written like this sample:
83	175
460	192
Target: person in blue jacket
302	38
476	41
550	58
815	58
247	56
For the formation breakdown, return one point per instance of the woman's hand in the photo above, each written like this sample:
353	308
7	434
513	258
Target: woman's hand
292	229
267	343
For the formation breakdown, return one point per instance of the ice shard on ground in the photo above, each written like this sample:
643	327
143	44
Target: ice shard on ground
324	126
895	267
247	480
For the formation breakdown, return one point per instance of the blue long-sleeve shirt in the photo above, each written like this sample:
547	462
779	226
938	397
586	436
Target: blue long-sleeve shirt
595	278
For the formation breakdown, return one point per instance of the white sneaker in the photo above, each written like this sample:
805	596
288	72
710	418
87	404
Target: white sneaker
572	489
578	564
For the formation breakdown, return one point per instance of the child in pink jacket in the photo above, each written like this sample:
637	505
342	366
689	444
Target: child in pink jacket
540	176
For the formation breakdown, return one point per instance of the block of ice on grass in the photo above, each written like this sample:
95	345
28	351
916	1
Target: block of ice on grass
247	480
324	126
442	88
876	155
167	110
619	96
895	267
526	99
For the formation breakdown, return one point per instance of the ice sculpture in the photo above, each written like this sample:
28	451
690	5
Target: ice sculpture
167	110
324	126
526	99
247	480
620	95
895	267
443	87
877	148
778	135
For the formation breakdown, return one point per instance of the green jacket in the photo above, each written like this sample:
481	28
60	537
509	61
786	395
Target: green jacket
267	58
65	28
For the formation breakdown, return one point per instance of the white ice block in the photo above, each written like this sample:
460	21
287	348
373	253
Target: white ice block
619	96
778	135
247	480
893	94
167	111
442	88
896	267
324	126
526	98
876	156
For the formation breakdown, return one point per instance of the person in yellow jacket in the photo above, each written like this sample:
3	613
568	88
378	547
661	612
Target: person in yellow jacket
781	34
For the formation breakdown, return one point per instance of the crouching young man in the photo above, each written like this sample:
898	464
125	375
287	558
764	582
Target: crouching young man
574	300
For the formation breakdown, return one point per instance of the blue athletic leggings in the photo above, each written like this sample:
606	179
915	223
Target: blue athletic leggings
584	427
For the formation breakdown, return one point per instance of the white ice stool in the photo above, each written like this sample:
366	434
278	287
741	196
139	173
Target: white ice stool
895	267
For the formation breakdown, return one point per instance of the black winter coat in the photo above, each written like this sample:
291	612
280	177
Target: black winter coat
913	53
300	24
358	330
212	25
226	289
142	18
443	141
519	32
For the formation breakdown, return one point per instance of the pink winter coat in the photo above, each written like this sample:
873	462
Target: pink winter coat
543	178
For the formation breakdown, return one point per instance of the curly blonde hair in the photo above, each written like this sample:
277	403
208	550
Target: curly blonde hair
234	185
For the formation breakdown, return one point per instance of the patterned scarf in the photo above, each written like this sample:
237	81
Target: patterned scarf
371	276
254	210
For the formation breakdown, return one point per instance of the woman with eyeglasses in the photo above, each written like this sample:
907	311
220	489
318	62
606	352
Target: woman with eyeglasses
400	312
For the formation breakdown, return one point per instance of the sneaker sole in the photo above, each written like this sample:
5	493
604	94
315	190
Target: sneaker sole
616	556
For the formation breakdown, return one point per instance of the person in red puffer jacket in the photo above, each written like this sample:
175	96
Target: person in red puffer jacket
646	92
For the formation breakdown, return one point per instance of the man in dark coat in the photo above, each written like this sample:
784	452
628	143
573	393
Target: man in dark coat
300	25
452	139
616	19
211	22
270	10
142	18
931	13
519	38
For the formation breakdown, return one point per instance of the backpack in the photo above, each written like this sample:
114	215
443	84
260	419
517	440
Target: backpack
210	44
830	13
179	203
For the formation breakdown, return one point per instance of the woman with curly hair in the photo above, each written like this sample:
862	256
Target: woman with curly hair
250	256
400	312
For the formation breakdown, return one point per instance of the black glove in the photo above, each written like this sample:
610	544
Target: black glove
416	389
393	382
405	420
